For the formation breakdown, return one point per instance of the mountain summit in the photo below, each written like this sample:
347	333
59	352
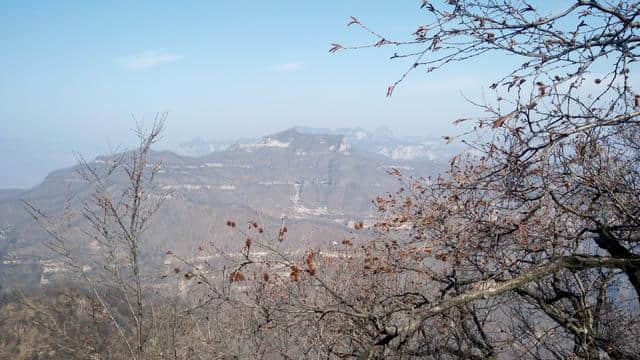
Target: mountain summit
299	142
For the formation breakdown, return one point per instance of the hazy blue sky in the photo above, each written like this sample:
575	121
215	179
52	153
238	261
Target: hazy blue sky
72	73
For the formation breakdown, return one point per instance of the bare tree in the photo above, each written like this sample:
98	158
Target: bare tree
527	246
107	251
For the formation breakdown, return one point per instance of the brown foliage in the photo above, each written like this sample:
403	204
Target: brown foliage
236	276
295	273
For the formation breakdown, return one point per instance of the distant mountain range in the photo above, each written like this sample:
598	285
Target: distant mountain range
381	141
318	182
28	162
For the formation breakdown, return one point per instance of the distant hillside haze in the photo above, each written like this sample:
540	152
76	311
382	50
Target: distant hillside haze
26	163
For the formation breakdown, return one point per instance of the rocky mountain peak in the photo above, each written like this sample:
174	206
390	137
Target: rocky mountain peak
297	141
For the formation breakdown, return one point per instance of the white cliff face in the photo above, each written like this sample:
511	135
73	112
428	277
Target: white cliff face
344	146
200	147
266	143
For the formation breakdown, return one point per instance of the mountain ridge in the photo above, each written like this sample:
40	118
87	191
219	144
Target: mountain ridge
380	141
316	183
